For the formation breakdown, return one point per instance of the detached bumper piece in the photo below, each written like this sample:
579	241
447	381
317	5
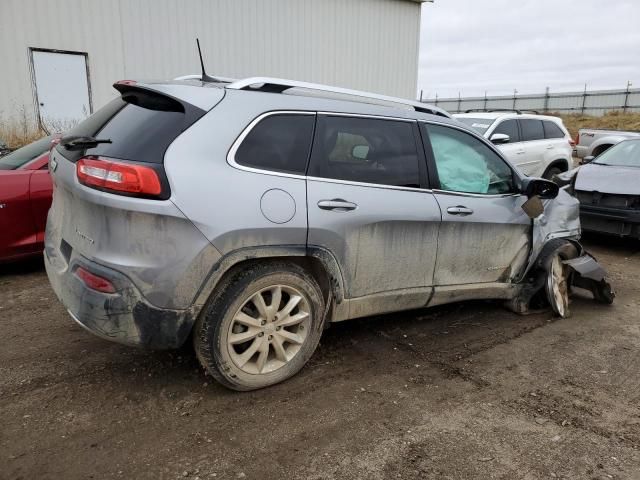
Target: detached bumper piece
590	275
108	304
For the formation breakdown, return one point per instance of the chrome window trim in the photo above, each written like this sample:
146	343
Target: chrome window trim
231	155
231	160
477	195
364	115
370	185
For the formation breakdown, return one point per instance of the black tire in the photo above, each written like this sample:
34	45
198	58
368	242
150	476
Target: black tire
551	172
561	250
214	328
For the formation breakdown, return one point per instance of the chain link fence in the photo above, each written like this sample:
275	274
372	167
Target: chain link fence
595	102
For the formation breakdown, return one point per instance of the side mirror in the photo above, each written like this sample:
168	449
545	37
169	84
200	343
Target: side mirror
588	159
538	187
360	152
500	138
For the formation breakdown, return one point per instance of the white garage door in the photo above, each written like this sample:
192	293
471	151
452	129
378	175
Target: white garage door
62	89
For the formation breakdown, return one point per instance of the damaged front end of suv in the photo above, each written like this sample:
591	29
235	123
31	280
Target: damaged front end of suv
558	263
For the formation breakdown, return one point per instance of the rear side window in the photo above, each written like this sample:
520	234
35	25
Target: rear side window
551	130
279	142
366	150
509	127
531	130
141	125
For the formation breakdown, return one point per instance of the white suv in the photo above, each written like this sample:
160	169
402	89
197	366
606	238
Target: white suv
538	145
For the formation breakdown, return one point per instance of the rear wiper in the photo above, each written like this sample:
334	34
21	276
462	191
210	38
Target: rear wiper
82	143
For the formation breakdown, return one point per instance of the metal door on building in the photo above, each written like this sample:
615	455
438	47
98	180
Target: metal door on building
61	84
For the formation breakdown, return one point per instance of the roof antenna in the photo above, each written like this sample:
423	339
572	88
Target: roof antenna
205	78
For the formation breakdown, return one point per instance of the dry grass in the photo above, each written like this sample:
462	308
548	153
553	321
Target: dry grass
19	133
16	137
612	120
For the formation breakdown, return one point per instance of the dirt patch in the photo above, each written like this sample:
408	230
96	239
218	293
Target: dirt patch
462	391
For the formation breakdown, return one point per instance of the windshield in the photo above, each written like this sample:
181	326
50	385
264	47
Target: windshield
480	125
624	154
24	155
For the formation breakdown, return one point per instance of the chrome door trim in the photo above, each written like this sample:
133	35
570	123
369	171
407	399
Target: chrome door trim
477	195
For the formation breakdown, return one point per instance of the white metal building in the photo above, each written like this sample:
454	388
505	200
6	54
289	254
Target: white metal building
60	57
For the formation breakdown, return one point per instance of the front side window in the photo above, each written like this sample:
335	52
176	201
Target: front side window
366	150
279	142
466	165
531	130
509	127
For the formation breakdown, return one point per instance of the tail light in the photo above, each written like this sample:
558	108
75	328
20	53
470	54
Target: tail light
118	177
575	142
95	282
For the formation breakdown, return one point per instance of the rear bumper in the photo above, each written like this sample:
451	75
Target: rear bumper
124	316
616	221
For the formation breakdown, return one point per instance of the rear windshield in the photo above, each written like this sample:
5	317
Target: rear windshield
141	126
480	125
24	155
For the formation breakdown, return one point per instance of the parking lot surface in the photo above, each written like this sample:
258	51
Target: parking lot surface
462	391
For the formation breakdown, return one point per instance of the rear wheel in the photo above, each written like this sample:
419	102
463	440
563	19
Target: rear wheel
261	326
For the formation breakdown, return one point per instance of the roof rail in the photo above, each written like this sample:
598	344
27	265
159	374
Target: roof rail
491	110
279	85
198	76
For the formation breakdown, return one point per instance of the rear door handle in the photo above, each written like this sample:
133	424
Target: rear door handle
337	204
549	147
520	152
459	210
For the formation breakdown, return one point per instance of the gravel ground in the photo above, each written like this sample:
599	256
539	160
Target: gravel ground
462	391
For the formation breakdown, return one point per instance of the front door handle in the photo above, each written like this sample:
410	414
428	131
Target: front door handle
459	210
337	204
550	147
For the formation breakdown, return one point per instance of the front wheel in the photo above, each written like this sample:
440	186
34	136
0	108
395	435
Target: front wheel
261	326
551	172
558	274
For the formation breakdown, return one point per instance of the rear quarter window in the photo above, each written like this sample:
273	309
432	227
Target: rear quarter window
279	142
551	130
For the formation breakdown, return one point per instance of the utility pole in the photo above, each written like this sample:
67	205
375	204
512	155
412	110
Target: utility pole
626	97
584	99
459	103
485	101
515	98
546	100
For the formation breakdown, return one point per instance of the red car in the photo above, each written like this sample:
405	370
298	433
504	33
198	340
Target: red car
25	198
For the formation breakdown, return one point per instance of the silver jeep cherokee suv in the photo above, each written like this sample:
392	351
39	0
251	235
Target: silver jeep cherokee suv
251	214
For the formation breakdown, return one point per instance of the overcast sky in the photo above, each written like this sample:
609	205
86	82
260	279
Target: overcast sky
473	46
